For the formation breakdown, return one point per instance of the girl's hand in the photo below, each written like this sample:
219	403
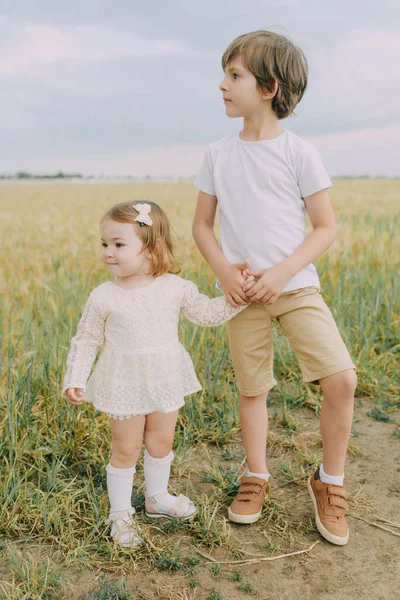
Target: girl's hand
74	396
232	282
268	287
249	279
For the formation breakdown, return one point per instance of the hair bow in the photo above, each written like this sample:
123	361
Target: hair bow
143	217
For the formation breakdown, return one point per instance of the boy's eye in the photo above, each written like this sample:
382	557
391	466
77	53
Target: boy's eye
234	75
119	245
104	245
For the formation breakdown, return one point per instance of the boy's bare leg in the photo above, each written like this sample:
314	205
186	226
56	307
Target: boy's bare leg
247	506
326	484
336	418
254	423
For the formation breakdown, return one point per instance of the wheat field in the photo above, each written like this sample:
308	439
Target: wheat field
52	456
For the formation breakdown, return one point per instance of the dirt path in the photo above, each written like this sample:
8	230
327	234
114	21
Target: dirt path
368	567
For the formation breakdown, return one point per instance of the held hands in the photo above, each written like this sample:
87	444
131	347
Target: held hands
266	285
74	396
233	281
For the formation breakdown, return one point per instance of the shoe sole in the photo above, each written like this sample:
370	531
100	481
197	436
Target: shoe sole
330	537
170	517
243	519
132	546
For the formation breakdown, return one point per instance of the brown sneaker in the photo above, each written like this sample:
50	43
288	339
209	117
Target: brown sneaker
330	505
247	506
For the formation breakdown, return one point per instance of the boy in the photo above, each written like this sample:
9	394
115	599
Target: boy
265	179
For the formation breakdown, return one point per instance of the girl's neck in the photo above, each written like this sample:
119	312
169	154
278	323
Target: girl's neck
133	282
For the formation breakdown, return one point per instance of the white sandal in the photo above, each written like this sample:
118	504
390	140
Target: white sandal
123	530
182	509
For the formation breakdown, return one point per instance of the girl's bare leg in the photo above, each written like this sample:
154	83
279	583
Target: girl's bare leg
127	439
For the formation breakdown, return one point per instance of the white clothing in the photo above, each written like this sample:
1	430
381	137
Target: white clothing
156	476
260	188
143	367
119	487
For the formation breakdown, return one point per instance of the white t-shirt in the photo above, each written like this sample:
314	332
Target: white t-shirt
260	187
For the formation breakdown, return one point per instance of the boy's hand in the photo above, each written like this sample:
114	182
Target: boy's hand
74	396
232	282
268	285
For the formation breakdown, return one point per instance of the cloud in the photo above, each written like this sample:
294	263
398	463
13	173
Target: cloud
112	86
353	84
32	47
372	151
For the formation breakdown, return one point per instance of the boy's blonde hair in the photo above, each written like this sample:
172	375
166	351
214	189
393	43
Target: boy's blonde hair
156	238
272	57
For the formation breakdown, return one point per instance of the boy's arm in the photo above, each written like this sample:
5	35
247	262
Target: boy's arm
230	277
273	280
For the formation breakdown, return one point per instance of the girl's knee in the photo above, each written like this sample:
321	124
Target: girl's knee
159	444
126	454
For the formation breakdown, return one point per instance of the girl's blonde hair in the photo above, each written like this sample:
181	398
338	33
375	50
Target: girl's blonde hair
156	238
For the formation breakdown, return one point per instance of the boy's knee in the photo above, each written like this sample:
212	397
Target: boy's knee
341	385
249	400
347	382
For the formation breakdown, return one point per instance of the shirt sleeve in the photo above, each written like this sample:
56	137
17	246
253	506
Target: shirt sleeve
312	176
84	346
204	180
205	311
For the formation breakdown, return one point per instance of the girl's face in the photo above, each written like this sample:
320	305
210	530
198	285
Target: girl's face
122	249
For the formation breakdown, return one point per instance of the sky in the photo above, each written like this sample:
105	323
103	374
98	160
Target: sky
130	87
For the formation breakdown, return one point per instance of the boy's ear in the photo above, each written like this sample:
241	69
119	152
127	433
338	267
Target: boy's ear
269	94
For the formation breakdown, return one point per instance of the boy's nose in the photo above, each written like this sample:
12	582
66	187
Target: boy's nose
222	86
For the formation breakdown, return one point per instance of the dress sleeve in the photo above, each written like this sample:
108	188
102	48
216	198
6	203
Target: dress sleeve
205	311
84	346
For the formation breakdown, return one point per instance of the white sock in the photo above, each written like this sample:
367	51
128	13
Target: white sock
265	476
119	487
156	473
332	479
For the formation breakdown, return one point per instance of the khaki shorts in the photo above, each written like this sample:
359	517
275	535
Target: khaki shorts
310	329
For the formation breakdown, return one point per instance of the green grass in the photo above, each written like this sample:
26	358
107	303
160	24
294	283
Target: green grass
53	457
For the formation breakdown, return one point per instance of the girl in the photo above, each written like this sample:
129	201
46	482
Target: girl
143	373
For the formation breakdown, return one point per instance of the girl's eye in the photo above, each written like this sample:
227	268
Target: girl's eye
119	245
104	245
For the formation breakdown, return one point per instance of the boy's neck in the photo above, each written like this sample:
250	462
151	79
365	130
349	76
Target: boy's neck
260	127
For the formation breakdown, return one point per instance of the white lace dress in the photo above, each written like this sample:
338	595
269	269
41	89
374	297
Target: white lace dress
143	367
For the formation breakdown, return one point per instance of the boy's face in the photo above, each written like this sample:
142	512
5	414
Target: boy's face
240	92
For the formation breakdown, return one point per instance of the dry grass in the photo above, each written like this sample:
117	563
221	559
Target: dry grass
52	483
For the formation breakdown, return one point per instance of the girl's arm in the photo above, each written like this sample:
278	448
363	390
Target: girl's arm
84	347
205	311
